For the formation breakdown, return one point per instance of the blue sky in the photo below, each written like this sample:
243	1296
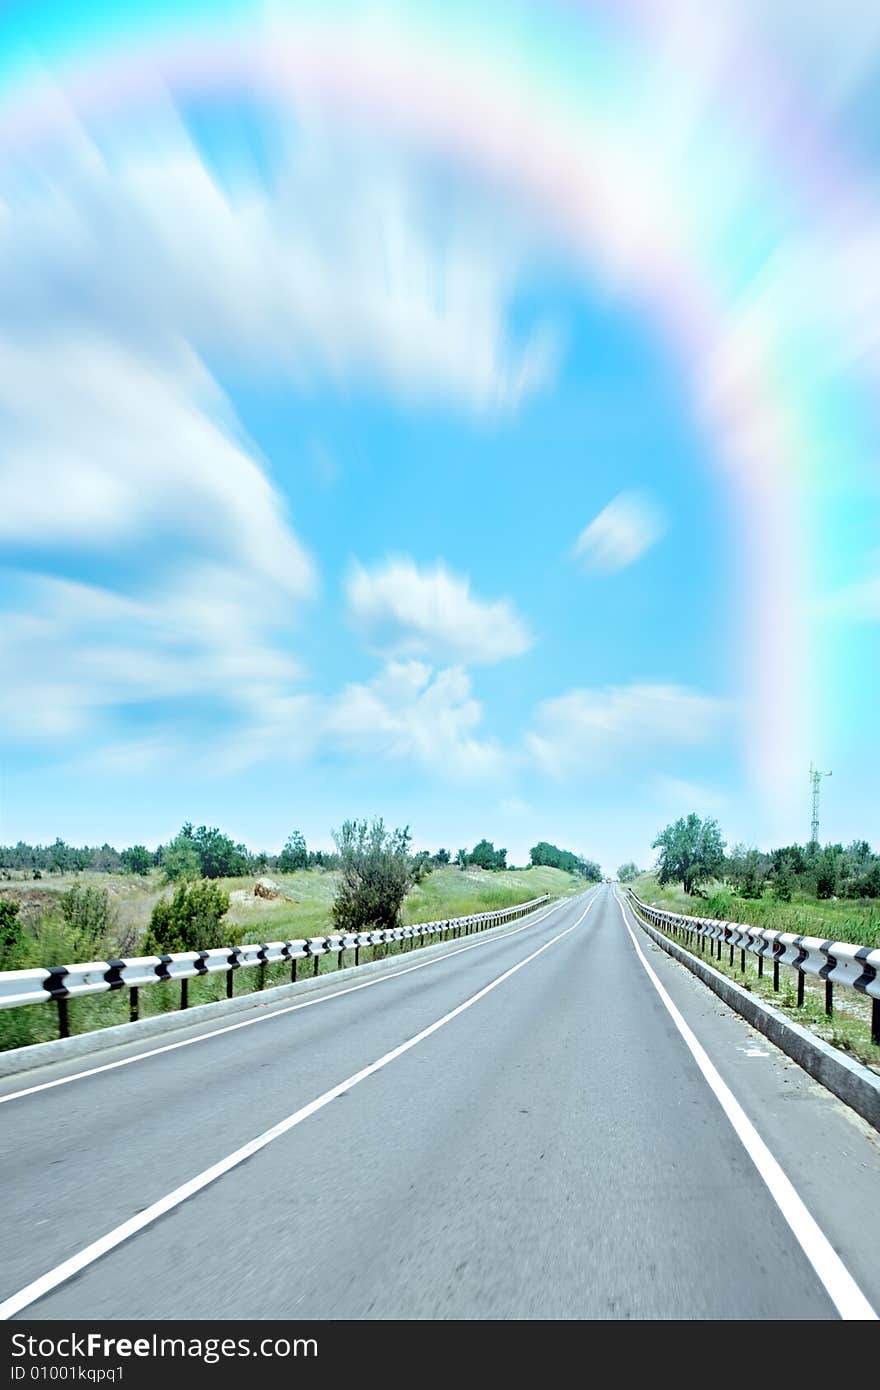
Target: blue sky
335	487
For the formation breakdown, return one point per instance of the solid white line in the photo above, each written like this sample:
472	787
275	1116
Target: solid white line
40	1287
832	1273
275	1013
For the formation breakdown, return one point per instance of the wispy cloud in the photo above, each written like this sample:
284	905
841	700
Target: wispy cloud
585	730
127	267
622	531
407	611
413	715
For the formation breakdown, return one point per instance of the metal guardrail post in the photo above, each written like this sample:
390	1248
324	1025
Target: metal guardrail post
133	1008
184	994
63	1021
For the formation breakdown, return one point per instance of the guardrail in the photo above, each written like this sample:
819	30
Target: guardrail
59	983
835	962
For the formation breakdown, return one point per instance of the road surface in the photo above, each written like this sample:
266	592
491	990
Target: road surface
518	1129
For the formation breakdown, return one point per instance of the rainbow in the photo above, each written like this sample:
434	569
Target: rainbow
682	213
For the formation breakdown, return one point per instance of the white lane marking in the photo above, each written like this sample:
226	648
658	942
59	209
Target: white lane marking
832	1273
275	1013
66	1270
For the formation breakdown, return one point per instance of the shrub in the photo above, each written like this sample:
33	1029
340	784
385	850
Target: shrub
90	916
191	920
376	875
10	933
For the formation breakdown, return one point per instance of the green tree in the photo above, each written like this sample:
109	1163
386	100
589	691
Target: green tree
783	881
752	883
180	859
295	854
691	852
219	856
137	859
191	920
376	874
442	857
627	872
590	870
485	856
461	859
59	857
826	874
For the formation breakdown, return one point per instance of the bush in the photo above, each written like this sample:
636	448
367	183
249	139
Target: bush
192	920
376	874
90	916
10	933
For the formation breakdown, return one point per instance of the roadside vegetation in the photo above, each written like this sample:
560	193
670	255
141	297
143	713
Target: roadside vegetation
831	892
60	905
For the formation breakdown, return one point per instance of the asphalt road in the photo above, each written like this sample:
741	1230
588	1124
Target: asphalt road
532	1138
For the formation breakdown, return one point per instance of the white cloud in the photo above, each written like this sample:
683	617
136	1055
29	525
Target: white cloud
585	730
407	611
81	654
623	531
127	267
681	796
412	714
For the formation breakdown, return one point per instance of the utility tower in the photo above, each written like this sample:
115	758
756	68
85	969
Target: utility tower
816	787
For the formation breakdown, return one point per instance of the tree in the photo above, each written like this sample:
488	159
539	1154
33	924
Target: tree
295	854
376	874
783	881
59	857
192	920
180	858
752	884
691	852
441	857
137	859
485	856
826	874
422	865
627	872
552	856
590	870
461	859
219	856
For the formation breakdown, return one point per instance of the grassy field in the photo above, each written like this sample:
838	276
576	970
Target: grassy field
843	920
303	908
849	1028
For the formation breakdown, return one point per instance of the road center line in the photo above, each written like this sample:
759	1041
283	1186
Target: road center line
830	1270
66	1270
268	1017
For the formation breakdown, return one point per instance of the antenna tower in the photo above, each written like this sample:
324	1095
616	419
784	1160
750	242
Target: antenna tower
815	787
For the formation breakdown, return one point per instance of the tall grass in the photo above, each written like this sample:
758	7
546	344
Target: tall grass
844	920
303	908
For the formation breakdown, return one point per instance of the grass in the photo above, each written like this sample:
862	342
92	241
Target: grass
303	908
849	1028
836	920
